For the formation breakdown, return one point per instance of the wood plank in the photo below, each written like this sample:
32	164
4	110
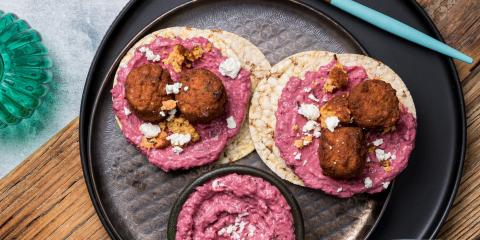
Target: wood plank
46	197
459	23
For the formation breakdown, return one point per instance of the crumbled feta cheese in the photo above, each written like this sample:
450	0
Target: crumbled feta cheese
216	183
179	139
251	230
368	159
149	130
378	142
307	89
230	67
368	182
313	98
393	157
298	156
339	189
235	230
162	113
185	88
173	88
171	114
309	111
127	111
309	126
149	54
382	155
177	149
304	162
332	122
231	124
317	133
385	184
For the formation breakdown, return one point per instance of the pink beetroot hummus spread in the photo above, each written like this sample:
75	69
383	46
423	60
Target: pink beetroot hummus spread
213	136
398	144
235	207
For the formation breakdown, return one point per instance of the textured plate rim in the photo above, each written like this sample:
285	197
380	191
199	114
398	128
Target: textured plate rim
460	162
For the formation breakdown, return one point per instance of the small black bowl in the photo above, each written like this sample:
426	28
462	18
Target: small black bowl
240	169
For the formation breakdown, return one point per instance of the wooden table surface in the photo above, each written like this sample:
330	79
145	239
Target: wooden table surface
46	197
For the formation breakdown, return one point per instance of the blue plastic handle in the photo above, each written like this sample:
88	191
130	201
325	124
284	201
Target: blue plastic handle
398	28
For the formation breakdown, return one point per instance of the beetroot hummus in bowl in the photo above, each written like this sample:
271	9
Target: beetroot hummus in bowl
236	202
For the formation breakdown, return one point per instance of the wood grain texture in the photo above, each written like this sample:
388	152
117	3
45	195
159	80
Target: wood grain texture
459	23
46	197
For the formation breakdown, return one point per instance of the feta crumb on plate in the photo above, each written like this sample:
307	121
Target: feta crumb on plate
179	139
149	130
230	67
309	126
173	88
149	54
382	155
171	114
177	149
368	182
127	111
216	183
332	122
309	111
378	142
298	156
313	98
231	124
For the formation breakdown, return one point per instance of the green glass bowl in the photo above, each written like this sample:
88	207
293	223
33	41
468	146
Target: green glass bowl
24	70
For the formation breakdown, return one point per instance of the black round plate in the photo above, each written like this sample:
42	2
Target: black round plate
243	170
123	185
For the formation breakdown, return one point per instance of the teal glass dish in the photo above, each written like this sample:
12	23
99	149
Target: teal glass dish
25	70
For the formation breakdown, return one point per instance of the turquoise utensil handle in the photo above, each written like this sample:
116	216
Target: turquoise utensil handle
398	28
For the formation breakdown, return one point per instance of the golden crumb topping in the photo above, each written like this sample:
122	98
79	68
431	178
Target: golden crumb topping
159	141
337	79
168	105
181	125
181	55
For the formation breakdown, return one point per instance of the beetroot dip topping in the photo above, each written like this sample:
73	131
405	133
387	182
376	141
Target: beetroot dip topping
235	207
213	135
387	155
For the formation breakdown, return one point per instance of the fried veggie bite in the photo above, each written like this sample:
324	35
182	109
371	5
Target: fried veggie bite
337	79
337	106
145	91
374	104
205	97
342	153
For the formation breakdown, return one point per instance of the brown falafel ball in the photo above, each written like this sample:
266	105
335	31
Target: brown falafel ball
374	104
337	106
342	153
205	98
145	91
